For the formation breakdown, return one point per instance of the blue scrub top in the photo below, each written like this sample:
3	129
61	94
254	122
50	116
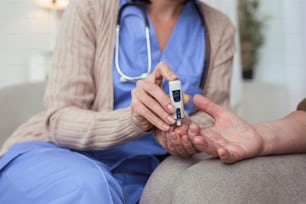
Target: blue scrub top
184	54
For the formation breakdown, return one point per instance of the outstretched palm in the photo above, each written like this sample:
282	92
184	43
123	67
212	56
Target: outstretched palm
230	138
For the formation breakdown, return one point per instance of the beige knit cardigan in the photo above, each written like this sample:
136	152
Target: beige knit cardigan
79	95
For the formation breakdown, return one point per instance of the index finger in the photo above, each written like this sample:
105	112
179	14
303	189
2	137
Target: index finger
162	71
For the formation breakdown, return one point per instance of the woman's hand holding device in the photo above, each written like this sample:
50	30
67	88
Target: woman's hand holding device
151	106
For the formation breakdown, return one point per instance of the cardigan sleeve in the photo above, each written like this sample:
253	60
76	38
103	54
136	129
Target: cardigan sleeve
217	87
71	91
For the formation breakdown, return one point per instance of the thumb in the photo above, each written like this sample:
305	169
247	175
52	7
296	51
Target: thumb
204	104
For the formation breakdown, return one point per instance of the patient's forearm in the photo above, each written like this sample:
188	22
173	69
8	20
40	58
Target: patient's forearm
287	135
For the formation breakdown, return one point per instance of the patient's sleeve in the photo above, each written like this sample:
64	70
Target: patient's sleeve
302	105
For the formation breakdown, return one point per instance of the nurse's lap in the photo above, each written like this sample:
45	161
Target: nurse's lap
57	175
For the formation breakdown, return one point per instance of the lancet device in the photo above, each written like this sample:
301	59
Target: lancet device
176	95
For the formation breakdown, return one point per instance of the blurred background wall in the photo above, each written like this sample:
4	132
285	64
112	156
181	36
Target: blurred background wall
279	81
282	62
27	35
24	39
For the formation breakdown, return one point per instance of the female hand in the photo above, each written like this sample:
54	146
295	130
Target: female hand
230	138
150	105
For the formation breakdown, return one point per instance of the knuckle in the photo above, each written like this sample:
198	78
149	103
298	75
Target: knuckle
149	87
166	101
158	122
171	148
139	82
169	144
162	65
146	113
165	116
152	118
151	103
179	148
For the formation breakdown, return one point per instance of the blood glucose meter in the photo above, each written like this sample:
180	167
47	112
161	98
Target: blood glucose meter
176	95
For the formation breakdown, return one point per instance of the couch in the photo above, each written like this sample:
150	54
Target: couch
17	104
204	180
200	180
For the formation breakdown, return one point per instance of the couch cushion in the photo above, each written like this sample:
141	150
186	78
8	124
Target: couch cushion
273	179
17	104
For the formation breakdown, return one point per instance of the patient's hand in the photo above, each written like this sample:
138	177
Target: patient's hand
176	141
230	138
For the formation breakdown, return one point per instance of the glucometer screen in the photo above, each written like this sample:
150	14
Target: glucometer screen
176	95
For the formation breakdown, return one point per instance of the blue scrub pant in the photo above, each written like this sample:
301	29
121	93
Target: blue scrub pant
39	172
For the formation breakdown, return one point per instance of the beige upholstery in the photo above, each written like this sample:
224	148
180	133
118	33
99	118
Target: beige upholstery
202	180
17	104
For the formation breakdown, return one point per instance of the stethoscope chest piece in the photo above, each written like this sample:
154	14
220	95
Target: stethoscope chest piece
142	76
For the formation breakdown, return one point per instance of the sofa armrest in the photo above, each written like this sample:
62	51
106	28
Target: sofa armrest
17	104
273	179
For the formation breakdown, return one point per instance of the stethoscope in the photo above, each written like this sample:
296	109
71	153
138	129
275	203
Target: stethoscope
126	78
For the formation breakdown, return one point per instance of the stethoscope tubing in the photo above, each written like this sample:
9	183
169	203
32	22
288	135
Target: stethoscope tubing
124	77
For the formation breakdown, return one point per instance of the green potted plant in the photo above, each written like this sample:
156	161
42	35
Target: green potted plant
251	35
